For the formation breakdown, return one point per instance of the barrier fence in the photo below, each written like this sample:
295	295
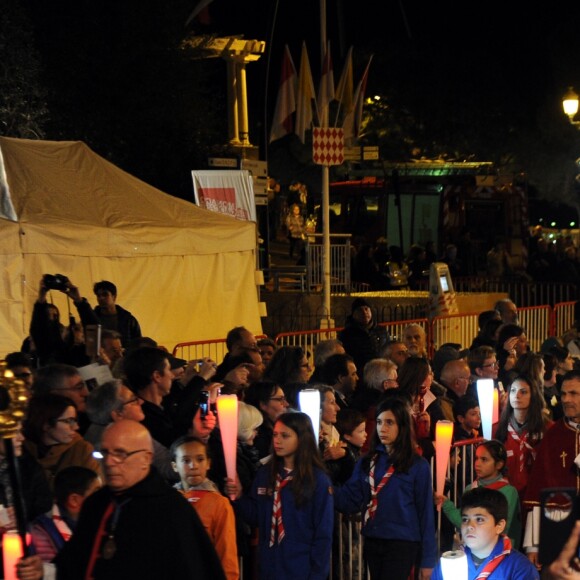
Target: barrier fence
563	318
539	322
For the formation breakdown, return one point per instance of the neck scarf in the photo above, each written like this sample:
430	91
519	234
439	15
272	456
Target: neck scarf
277	524
60	524
522	440
491	483
372	505
490	567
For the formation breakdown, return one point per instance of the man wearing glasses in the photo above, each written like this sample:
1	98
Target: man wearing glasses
455	377
65	380
137	526
483	363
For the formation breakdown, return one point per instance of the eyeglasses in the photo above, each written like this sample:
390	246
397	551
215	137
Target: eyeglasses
70	421
133	401
118	456
78	387
279	399
488	365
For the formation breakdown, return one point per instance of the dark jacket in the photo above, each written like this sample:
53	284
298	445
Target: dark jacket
48	339
157	535
174	418
363	344
127	324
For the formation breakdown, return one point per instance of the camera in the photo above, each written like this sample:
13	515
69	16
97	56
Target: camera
55	282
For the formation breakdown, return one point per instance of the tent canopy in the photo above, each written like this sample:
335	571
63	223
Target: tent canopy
186	273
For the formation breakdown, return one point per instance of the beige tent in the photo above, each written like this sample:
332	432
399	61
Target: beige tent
186	273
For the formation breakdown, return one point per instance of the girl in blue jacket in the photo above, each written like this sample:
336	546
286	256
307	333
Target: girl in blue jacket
292	505
392	486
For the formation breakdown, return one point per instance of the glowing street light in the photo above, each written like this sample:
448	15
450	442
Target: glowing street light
570	105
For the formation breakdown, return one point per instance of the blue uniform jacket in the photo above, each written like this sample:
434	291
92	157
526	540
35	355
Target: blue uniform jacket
515	566
305	550
405	508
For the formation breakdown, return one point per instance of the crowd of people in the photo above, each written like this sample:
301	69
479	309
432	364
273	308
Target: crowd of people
128	479
388	267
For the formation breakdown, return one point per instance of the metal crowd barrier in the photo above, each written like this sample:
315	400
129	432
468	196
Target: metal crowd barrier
563	318
306	339
215	349
540	322
537	322
455	328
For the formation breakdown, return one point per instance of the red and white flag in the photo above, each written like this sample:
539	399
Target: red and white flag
306	95
352	122
286	104
345	89
326	87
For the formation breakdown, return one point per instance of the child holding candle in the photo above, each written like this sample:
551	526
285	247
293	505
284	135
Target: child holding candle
484	513
191	462
291	504
391	485
490	461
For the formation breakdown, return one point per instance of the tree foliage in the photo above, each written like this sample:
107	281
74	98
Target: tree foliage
119	80
23	111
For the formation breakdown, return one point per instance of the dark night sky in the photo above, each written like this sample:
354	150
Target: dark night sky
482	61
522	54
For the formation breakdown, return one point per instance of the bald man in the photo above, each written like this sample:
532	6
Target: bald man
137	526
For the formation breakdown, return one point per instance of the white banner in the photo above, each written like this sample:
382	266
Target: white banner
229	192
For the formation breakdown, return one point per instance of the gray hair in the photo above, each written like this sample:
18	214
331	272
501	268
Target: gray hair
103	400
325	349
249	418
375	372
52	377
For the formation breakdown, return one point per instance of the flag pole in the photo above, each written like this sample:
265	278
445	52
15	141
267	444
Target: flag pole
325	184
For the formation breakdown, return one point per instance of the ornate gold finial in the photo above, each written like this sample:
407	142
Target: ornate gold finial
13	401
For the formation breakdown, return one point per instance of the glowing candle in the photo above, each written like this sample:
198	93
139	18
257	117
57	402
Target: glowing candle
12	552
443	436
227	410
485	390
309	403
454	565
495	406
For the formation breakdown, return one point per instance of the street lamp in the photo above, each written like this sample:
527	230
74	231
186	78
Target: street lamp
570	105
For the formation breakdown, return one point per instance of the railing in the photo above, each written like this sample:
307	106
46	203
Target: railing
563	318
539	322
307	339
522	292
456	328
215	349
339	263
395	329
